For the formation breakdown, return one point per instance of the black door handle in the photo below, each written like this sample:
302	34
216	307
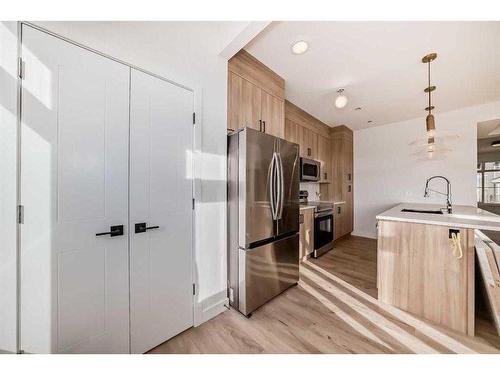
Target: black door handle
114	230
141	227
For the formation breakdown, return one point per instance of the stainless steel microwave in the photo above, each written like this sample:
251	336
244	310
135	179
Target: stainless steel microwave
309	170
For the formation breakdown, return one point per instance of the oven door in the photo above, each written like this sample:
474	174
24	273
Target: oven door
323	232
309	170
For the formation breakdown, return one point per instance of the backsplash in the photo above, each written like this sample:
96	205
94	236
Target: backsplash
312	189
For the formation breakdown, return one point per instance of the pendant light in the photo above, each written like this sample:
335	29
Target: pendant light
341	100
434	144
429	120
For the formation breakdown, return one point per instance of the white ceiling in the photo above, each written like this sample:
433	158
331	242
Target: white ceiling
487	132
488	129
379	65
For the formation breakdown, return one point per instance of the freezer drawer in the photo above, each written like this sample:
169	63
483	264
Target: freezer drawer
266	271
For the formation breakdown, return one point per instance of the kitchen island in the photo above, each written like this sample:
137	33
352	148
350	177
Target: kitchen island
425	261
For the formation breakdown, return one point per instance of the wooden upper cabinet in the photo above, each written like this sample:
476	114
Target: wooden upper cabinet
244	103
308	141
324	156
291	131
272	115
255	96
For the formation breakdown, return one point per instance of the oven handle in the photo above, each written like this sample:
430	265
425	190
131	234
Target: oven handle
323	214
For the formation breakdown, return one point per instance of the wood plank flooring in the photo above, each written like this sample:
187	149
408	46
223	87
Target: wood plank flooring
333	310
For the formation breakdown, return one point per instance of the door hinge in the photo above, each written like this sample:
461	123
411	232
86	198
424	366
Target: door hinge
20	214
20	68
194	118
193	203
194	289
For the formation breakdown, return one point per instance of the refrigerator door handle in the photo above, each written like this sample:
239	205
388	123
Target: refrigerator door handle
272	187
281	187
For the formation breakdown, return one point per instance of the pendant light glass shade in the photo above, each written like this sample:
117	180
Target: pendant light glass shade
430	125
341	100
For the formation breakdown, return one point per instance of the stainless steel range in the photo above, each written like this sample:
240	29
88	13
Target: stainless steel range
323	224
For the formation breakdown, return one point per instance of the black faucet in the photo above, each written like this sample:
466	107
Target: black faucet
448	191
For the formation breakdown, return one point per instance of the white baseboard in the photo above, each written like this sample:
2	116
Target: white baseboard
204	314
364	234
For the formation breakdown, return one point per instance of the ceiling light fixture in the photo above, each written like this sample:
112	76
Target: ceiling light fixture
495	143
300	47
341	100
429	120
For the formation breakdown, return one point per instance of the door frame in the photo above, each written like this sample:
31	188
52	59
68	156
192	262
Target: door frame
196	149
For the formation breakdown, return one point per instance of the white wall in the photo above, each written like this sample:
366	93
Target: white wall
8	176
386	172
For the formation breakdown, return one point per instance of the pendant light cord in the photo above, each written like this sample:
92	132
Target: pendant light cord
429	85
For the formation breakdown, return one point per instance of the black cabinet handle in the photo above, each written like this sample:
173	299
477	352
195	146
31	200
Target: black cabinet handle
349	177
349	188
141	227
264	124
114	230
260	125
308	151
325	176
338	210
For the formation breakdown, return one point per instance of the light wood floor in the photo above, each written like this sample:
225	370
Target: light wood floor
333	310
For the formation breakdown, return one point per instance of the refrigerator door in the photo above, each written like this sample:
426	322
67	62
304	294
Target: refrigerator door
266	271
288	204
257	185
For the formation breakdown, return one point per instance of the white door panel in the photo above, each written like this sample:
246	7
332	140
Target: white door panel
74	184
161	191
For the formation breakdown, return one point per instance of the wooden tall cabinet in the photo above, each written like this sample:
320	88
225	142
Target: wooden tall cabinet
255	96
342	176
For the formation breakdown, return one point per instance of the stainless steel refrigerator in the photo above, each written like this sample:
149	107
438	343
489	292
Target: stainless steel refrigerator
263	218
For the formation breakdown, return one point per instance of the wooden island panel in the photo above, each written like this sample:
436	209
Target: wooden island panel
419	273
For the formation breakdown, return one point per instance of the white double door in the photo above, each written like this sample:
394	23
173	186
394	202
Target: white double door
102	146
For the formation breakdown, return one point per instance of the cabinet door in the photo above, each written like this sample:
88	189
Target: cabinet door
337	169
308	143
161	298
348	215
306	238
244	103
291	131
324	156
272	115
74	184
338	220
348	156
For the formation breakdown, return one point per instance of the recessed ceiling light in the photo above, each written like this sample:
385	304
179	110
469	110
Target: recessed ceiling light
300	47
357	109
495	143
341	100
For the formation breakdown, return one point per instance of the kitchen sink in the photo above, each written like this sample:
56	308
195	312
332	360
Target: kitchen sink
438	212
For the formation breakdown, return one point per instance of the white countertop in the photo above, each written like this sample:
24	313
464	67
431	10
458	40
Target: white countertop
304	207
462	216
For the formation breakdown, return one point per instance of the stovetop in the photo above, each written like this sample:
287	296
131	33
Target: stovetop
318	205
